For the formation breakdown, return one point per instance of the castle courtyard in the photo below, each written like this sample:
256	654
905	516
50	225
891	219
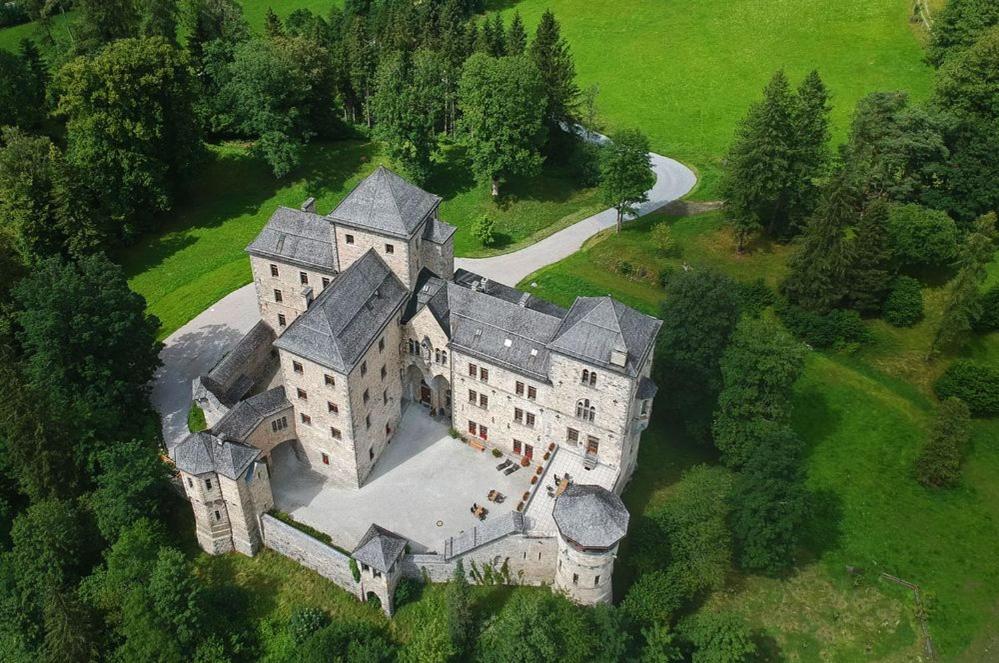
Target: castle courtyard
422	487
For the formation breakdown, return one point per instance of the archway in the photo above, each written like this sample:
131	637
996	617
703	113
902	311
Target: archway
442	396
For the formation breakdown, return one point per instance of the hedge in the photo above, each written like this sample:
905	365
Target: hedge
975	383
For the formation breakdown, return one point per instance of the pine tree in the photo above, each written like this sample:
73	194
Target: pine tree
870	272
497	38
939	461
160	19
551	55
811	136
759	169
818	270
361	62
964	303
272	25
516	36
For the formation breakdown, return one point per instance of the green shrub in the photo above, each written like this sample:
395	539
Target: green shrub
355	571
922	238
662	237
666	275
407	591
306	621
975	383
904	305
484	230
719	637
988	320
837	328
939	461
756	296
497	453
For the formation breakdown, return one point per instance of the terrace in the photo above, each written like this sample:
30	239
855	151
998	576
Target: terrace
422	487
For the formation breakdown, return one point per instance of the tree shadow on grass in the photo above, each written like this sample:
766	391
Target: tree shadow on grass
452	176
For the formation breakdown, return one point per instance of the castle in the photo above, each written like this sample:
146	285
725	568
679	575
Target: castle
365	328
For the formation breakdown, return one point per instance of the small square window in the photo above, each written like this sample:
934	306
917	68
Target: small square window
274	270
371	454
326	459
384	372
306	419
381	344
326	282
277	296
330	381
332	407
365	396
304	278
367	421
389	248
297	367
335	432
364	367
302	395
349	239
282	321
532	393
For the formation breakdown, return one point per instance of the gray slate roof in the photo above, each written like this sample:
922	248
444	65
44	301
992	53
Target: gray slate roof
506	293
385	203
226	379
596	326
438	232
347	316
204	452
301	238
592	516
482	325
647	389
379	548
239	422
430	291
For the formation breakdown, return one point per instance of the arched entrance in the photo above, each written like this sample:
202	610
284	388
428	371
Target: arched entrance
442	396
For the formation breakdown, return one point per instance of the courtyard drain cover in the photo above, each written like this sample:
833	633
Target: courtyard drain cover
440	523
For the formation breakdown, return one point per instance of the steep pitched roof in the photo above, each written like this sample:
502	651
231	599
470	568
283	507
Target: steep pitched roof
379	548
597	327
347	316
227	380
301	238
385	203
506	293
204	452
438	232
592	516
430	292
245	416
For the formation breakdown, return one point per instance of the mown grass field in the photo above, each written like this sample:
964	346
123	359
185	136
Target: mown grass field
864	417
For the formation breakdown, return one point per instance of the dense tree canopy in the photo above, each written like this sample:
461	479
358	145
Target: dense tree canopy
626	173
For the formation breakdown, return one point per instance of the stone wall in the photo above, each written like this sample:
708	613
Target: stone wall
211	514
530	560
309	552
403	260
438	258
288	281
585	577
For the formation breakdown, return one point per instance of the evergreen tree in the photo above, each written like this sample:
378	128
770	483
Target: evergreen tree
131	485
362	61
958	25
22	98
272	25
70	633
159	19
496	37
101	22
818	270
759	369
811	138
550	53
206	21
870	275
626	172
964	301
502	106
939	461
459	609
516	36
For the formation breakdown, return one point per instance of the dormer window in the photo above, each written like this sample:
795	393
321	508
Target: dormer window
619	357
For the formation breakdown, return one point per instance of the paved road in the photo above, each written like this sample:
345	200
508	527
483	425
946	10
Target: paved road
193	349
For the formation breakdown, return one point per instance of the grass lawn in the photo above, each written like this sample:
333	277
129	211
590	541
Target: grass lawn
199	257
864	418
685	72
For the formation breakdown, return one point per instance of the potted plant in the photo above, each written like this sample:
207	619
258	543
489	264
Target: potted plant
534	479
527	495
524	462
551	447
497	453
540	470
547	455
520	506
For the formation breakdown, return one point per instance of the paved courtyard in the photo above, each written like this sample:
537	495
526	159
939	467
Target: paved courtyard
422	488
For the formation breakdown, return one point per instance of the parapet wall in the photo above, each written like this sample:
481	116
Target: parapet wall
311	553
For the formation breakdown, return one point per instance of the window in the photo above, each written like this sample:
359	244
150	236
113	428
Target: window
384	396
190	482
367	421
437	355
589	377
443	356
302	395
520	389
473	397
282	322
483	432
472	428
473	370
208	484
306	419
329	379
529	419
414	347
575	578
596	580
349	239
645	407
381	344
332	407
326	282
518	415
326	459
389	248
532	393
304	278
364	367
365	396
277	295
297	367
388	430
483	401
572	435
584	410
371	454
279	424
592	445
274	270
516	446
335	432
218	516
384	371
484	374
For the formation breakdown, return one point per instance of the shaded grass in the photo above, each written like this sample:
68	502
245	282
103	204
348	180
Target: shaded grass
196	419
685	72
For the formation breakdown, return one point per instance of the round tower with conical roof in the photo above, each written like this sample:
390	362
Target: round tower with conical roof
591	521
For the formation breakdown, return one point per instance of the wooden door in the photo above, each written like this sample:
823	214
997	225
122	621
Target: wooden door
424	394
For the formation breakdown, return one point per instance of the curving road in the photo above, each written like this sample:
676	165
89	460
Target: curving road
193	349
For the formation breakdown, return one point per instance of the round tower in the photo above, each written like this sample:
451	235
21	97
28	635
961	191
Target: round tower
591	521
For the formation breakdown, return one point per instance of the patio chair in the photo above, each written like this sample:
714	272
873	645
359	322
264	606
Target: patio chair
505	464
510	470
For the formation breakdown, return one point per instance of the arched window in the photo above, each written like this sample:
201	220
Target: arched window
589	377
443	356
437	355
584	410
586	376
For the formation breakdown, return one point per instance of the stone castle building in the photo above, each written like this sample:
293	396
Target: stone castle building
363	315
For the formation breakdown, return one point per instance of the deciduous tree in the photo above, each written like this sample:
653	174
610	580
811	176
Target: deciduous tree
626	172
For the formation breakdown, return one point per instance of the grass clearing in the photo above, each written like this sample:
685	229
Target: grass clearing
685	72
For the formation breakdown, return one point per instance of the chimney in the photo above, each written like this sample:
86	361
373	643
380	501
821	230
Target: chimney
309	205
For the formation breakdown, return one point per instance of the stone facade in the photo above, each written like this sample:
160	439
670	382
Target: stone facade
583	576
296	285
